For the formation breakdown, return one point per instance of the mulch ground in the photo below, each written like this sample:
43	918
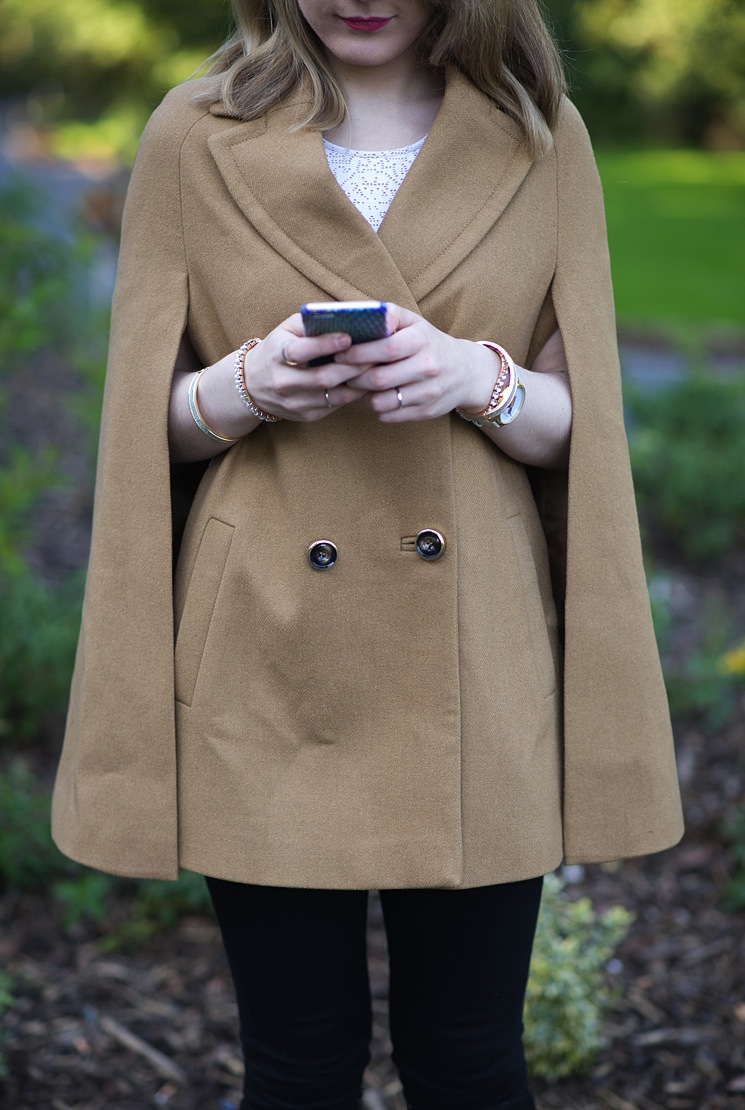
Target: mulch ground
158	1028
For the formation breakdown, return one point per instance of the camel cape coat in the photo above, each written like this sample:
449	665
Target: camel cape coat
390	722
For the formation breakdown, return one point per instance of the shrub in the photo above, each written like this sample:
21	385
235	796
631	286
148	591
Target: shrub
44	280
704	684
6	1001
569	992
734	831
686	453
156	907
38	633
127	912
46	312
28	858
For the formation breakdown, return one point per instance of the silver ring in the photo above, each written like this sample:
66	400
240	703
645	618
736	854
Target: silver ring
287	361
326	394
400	399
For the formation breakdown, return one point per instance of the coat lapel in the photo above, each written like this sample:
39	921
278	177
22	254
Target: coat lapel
282	182
470	166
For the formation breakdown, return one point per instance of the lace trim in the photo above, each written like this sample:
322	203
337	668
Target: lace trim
371	178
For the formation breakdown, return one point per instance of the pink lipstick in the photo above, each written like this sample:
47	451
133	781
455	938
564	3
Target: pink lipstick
370	23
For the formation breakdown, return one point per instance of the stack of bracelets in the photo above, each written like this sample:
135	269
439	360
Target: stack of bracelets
245	396
507	396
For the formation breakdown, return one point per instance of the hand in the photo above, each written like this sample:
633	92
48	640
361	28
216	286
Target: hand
417	372
302	392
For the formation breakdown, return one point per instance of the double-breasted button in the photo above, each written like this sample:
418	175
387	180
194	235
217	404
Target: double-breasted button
322	554
429	543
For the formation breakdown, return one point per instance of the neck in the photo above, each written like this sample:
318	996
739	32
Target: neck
388	106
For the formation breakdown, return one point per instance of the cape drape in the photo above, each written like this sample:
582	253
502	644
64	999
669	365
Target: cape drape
519	249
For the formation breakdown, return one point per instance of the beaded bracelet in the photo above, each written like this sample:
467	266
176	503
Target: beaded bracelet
197	415
240	383
504	372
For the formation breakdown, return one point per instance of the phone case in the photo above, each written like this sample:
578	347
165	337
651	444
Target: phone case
362	320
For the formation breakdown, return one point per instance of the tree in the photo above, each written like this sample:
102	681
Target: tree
103	61
678	66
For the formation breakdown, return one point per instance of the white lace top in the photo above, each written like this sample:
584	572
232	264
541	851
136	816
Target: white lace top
371	178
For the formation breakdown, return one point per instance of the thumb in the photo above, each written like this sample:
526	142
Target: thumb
397	317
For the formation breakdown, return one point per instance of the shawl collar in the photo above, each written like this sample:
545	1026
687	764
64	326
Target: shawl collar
474	157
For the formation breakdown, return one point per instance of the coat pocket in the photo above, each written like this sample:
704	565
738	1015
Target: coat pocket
539	607
199	605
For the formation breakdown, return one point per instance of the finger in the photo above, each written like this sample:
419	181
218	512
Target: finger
293	324
386	376
306	406
342	395
394	348
414	401
300	350
328	376
397	317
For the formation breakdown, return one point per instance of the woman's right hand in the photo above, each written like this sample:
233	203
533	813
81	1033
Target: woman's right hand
281	382
292	392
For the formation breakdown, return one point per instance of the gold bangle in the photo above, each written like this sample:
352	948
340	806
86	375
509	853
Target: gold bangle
197	415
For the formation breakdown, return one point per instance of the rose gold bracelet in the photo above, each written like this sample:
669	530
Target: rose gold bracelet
503	392
240	382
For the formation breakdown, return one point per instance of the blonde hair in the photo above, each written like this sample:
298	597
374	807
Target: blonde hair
503	46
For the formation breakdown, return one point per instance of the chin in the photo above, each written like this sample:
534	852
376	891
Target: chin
363	54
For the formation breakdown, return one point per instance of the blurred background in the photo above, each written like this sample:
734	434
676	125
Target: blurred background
115	993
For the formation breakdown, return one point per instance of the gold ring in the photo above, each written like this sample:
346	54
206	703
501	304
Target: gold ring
287	361
400	399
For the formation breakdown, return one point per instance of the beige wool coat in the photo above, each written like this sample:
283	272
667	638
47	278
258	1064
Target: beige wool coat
390	722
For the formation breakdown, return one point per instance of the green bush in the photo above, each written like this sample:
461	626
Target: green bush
28	858
6	1001
38	634
156	907
734	831
44	283
46	313
687	456
569	993
701	688
704	681
128	913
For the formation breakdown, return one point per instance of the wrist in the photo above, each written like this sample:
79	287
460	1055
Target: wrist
220	403
240	375
483	368
507	396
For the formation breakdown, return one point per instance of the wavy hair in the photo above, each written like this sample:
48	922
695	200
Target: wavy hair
503	46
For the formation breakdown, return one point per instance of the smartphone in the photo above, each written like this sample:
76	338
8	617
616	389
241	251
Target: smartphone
362	320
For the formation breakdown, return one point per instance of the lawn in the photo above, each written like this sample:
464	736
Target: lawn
676	223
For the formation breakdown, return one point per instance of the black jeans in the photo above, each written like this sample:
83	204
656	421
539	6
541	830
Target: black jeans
458	969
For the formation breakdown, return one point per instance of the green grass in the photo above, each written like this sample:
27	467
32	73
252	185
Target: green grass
676	224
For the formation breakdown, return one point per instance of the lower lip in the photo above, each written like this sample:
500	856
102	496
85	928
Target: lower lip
366	24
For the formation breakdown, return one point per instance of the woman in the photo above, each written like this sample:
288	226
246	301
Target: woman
394	722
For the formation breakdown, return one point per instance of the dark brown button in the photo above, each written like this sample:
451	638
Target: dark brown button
429	544
322	554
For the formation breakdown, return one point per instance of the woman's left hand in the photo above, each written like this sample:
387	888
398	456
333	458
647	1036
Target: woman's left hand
418	372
